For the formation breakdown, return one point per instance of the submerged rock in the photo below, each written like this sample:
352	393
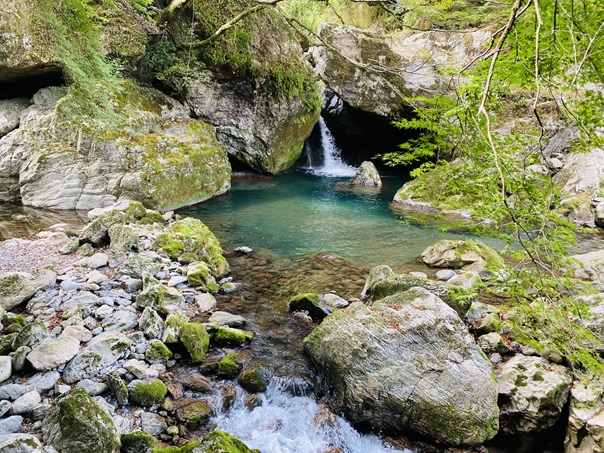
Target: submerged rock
407	363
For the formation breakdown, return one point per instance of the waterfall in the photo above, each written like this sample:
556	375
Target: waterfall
329	161
286	423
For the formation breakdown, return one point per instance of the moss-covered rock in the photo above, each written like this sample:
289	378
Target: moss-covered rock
76	423
146	393
137	442
467	255
192	239
222	442
157	352
196	339
158	296
193	414
30	335
198	275
232	336
19	287
122	238
413	351
17	443
174	322
188	448
6	343
136	266
308	302
253	379
266	126
228	367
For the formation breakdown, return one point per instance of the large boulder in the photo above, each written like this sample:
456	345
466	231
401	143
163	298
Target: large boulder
167	161
356	72
467	255
367	175
592	265
580	182
408	363
76	423
533	393
260	93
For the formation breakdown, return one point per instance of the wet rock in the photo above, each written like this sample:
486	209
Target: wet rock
227	319
533	393
52	353
228	367
229	394
231	336
153	424
308	302
77	423
376	275
254	379
19	287
194	413
252	401
367	175
333	301
137	442
198	383
413	351
26	403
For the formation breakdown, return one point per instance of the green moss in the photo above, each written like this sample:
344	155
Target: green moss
12	318
174	321
228	367
152	217
195	339
137	442
6	343
135	211
229	335
157	352
147	393
251	380
538	376
194	414
222	442
188	448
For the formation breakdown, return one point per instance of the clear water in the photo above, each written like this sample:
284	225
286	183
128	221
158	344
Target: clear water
298	213
295	424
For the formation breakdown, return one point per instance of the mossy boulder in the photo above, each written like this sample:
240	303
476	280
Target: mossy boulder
6	343
96	232
195	413
413	351
196	340
76	423
190	238
18	443
30	335
136	266
458	298
198	275
228	367
468	255
232	336
308	302
222	442
264	127
137	442
146	393
122	238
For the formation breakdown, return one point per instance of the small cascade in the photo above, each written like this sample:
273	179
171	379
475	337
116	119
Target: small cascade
285	423
327	159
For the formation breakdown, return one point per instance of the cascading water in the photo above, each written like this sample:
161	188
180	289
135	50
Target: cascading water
295	424
329	162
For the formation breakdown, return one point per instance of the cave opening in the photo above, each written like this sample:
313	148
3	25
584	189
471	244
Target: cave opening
25	86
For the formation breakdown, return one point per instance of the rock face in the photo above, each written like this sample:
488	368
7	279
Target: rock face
76	423
10	114
367	175
533	393
266	107
580	180
170	161
383	92
407	363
